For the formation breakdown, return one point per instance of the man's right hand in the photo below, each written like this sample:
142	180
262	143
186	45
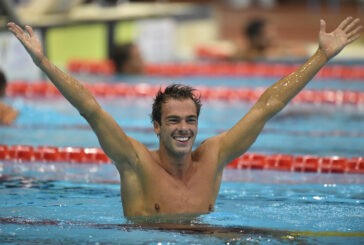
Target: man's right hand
29	40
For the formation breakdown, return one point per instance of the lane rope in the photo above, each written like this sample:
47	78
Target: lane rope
252	69
106	67
280	162
46	89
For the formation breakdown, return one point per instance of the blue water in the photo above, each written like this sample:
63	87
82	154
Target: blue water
71	203
298	129
63	203
86	209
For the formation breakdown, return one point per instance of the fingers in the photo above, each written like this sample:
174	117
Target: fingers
19	32
351	28
345	22
352	39
14	28
354	32
351	25
17	29
30	30
322	26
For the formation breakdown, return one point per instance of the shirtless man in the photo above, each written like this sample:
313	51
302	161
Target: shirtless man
174	179
7	114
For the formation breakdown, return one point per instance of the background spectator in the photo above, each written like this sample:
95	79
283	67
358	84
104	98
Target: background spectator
7	114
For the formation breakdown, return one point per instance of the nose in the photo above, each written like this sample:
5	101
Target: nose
183	127
184	124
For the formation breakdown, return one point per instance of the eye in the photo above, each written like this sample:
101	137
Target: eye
173	120
191	120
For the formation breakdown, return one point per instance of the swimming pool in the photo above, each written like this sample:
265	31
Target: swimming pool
63	203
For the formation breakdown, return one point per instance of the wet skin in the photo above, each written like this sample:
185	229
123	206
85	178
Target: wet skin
173	179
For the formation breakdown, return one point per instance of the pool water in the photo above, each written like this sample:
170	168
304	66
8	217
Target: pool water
298	129
63	203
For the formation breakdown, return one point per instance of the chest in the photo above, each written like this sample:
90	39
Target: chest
196	194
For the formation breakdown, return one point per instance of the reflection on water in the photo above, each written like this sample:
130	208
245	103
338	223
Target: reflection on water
7	181
276	208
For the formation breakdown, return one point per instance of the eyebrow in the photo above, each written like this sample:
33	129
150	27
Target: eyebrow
177	117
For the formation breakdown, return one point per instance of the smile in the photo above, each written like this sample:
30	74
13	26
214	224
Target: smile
181	138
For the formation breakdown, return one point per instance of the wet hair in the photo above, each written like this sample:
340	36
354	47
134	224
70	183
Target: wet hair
2	83
174	91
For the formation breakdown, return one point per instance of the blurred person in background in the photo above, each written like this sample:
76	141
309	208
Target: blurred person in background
127	59
7	114
262	43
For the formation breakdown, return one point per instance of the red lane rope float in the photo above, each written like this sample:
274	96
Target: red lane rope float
25	153
46	89
106	67
333	164
251	69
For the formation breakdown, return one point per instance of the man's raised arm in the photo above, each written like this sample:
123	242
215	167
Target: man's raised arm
237	140
112	138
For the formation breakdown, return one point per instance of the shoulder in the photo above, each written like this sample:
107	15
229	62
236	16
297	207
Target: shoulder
209	147
146	160
143	155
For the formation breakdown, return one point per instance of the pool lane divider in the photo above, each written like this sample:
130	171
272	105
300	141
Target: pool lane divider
46	89
281	162
236	69
251	69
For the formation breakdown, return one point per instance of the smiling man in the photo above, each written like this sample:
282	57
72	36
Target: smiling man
174	179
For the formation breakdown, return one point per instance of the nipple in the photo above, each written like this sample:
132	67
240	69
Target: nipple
156	207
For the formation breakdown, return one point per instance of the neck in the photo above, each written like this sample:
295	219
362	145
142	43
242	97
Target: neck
175	165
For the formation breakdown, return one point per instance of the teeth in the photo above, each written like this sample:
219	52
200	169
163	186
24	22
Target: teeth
181	138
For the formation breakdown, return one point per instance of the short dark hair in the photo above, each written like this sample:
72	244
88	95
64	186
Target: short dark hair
174	91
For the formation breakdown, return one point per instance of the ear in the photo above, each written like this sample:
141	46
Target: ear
157	128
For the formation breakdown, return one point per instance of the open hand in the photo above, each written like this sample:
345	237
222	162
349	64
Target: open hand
29	40
332	43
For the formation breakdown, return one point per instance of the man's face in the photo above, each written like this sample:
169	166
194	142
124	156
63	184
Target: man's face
178	130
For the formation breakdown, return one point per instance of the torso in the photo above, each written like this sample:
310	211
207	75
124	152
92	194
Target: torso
152	190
